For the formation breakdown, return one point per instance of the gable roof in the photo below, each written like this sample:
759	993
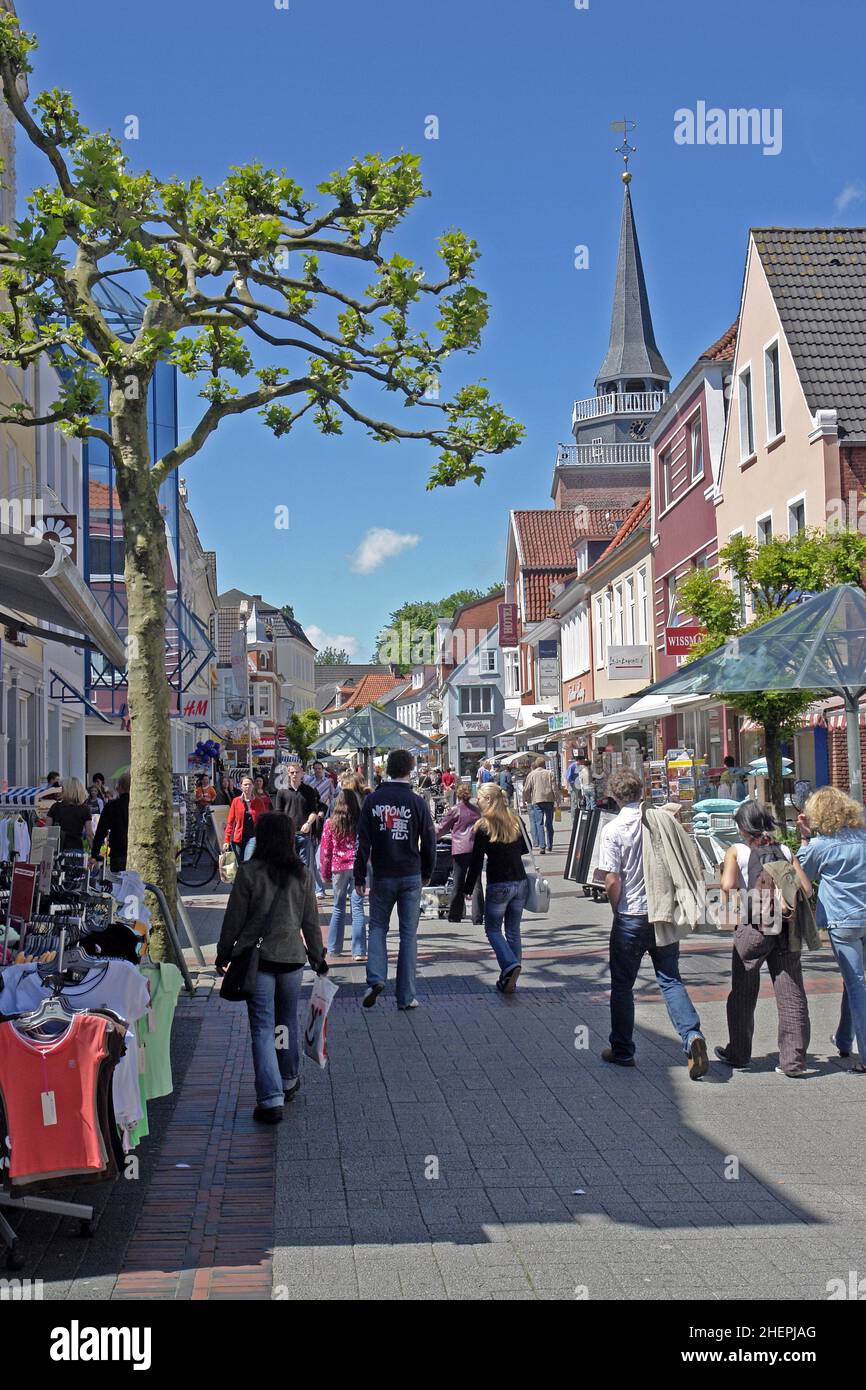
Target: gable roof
637	517
722	350
276	619
817	276
372	687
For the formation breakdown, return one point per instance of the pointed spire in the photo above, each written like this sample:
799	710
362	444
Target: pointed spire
632	350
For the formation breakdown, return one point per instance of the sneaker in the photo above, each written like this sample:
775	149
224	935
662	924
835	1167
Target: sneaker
735	1066
268	1114
608	1055
793	1072
372	995
289	1092
542	851
413	1004
698	1062
359	958
509	979
841	1051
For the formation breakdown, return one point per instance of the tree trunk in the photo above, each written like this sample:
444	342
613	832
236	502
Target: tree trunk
773	747
151	831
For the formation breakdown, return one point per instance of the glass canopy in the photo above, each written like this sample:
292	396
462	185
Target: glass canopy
369	728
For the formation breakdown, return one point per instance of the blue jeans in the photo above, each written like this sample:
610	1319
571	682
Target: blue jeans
343	883
849	948
275	1005
541	821
503	909
385	893
631	938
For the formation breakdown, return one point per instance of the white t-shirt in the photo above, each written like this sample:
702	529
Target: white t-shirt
622	853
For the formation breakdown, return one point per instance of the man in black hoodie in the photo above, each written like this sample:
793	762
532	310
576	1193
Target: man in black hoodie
396	834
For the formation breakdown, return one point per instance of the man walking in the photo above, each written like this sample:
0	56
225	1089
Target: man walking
303	803
396	834
539	796
637	909
586	785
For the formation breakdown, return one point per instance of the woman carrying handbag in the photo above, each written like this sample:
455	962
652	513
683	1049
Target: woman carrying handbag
498	837
270	931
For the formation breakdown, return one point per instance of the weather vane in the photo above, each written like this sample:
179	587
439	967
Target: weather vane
625	149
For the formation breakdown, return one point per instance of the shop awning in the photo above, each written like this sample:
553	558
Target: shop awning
21	796
649	708
38	580
820	716
71	695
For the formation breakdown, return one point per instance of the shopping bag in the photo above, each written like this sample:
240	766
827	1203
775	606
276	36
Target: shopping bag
228	866
538	897
316	1030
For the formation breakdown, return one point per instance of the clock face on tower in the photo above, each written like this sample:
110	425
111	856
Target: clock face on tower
638	429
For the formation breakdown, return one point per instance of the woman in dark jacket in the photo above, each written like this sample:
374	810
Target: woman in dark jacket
273	898
498	837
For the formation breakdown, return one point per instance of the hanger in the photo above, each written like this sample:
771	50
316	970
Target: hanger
51	1008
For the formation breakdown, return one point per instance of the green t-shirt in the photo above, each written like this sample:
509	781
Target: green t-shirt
165	982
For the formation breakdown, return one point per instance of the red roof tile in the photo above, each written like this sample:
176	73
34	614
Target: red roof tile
536	590
546	538
635	519
372	687
722	349
98	496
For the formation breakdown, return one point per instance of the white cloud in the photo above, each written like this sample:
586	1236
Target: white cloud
378	545
343	641
851	193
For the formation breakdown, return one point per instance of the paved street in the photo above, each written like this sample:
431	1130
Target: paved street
476	1149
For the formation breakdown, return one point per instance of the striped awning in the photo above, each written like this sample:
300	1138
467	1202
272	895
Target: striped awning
819	716
21	796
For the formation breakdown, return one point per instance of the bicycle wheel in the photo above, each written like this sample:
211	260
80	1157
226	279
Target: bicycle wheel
196	866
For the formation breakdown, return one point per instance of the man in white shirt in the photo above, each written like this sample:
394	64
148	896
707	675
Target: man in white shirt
632	935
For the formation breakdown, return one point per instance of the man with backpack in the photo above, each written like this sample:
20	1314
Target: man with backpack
768	896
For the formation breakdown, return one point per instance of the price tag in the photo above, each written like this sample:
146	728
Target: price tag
49	1109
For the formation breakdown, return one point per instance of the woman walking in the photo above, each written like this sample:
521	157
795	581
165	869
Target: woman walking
459	821
337	863
539	795
834	847
273	901
498	837
244	814
741	872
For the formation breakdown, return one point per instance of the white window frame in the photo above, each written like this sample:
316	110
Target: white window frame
619	613
600	639
264	704
667	473
759	522
773	435
511	659
738	587
746	396
630	611
796	502
484	700
696	425
642	601
487	662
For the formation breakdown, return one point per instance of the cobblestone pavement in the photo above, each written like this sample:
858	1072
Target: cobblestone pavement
478	1148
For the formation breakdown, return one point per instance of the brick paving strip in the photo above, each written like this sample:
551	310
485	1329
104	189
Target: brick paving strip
206	1229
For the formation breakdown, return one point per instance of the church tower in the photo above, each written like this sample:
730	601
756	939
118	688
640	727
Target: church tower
611	453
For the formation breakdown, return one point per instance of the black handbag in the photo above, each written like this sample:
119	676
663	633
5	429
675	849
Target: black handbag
239	981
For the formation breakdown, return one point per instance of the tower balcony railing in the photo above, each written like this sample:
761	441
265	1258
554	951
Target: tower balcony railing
567	455
618	403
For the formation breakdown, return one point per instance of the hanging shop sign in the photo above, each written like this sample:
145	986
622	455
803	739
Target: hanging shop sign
563	720
476	726
507	743
576	695
614	707
628	663
680	640
240	670
548	671
506	617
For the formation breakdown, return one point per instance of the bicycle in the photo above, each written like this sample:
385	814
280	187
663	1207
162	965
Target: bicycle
197	862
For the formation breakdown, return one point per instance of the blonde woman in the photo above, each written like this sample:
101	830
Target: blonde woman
498	836
834	847
74	816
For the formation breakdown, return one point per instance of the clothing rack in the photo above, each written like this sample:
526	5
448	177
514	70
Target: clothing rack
82	1212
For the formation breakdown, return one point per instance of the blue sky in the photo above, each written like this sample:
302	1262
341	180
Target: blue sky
524	91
